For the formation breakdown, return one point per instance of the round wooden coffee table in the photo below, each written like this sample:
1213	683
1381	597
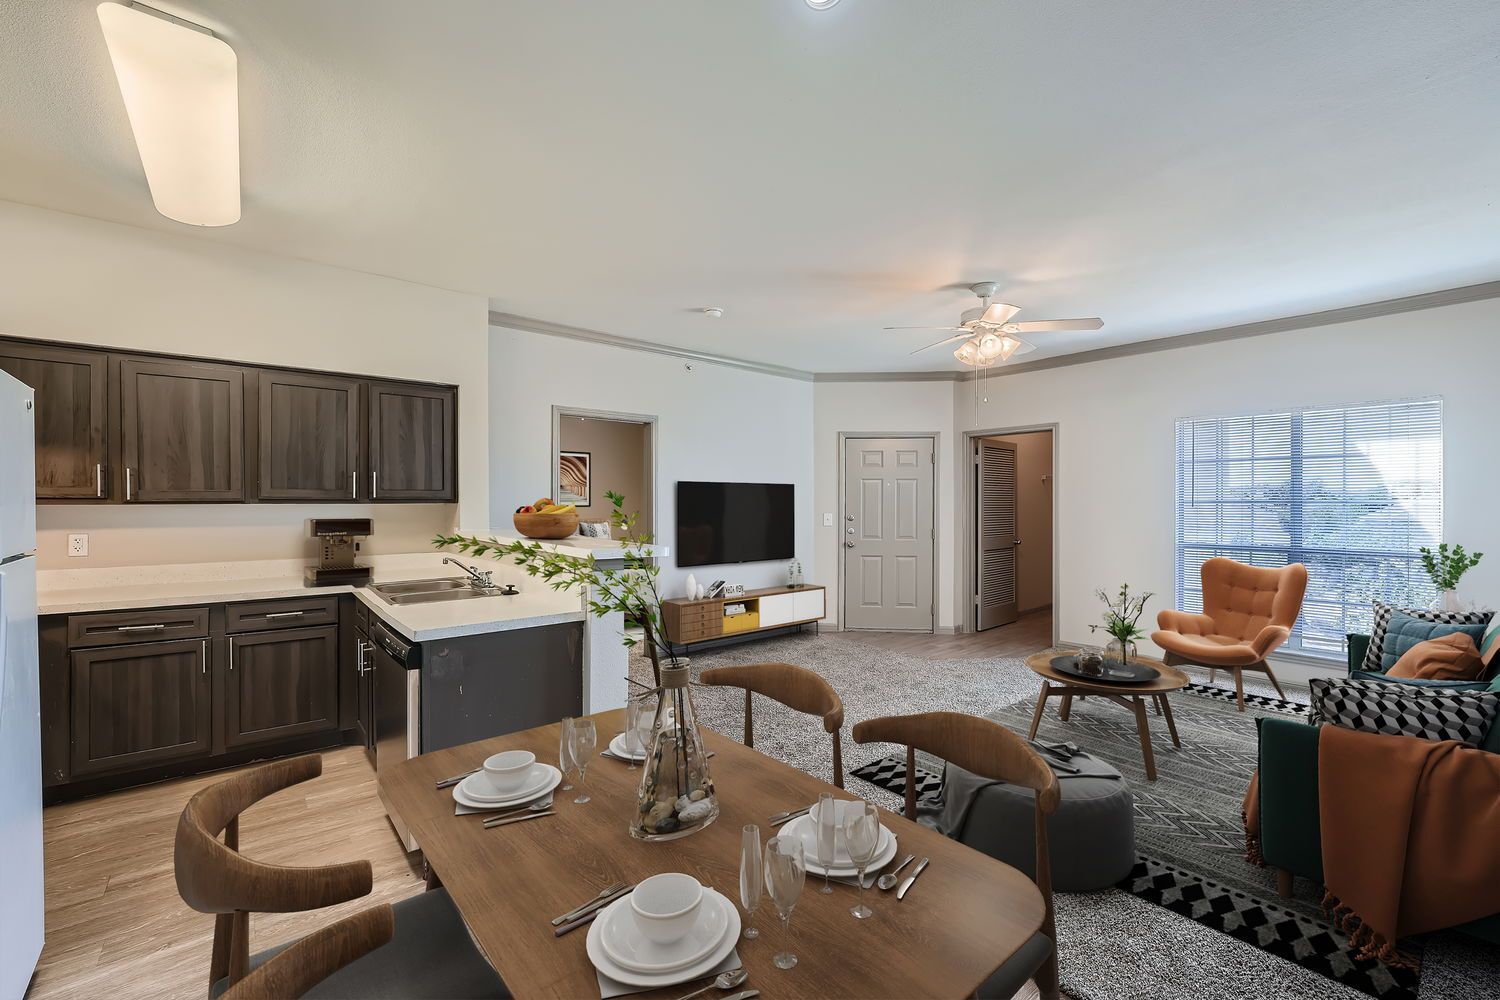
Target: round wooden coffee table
1129	696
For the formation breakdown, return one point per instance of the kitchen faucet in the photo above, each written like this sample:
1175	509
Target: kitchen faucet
484	580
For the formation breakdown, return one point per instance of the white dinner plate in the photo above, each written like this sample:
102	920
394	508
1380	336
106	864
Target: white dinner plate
472	791
629	948
647	980
805	830
618	748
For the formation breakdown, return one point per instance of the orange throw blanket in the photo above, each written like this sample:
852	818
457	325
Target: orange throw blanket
1411	836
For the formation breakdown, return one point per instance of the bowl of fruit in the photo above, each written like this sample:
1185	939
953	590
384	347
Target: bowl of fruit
545	519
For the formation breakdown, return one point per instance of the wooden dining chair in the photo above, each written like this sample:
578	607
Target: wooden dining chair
795	687
990	751
430	953
308	962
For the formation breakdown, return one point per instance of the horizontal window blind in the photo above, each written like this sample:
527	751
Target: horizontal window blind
1350	491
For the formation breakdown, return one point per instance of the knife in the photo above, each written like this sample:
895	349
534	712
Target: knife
743	995
901	892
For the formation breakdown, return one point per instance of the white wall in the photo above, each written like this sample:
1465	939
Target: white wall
73	279
1033	518
713	423
1115	475
884	408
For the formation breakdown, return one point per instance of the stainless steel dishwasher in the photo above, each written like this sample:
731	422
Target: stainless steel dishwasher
398	707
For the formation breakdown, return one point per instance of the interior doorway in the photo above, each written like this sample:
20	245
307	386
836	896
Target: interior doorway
595	452
1011	538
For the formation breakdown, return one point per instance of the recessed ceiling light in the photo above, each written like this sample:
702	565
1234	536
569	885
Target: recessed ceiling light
180	83
714	312
821	4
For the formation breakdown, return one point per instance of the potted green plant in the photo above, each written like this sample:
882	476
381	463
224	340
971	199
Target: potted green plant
1446	567
1122	622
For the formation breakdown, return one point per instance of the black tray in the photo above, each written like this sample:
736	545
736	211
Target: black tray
1114	672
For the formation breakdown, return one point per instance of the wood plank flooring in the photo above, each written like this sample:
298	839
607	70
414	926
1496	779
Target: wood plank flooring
1020	639
116	927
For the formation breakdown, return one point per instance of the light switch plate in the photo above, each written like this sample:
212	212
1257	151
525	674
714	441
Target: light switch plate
827	520
78	545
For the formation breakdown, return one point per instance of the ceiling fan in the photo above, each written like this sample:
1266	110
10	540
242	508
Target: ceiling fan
988	333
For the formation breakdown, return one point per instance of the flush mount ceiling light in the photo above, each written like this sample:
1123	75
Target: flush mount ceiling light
181	90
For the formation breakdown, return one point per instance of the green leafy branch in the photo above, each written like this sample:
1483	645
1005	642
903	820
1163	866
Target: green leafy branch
1447	565
630	590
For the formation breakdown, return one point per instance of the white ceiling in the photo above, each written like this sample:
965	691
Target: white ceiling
1169	165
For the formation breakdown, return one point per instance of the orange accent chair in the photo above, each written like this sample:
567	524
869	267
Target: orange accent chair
1249	611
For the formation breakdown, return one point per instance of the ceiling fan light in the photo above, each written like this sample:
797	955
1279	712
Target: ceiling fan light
968	353
1008	346
990	346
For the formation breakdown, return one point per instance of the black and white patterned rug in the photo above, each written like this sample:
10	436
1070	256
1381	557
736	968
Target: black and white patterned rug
1194	919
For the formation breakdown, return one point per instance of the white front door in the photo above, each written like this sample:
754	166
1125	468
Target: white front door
887	534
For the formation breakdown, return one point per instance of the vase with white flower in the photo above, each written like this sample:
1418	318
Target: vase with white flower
1122	622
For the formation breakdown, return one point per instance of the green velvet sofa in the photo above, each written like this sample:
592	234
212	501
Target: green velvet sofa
1290	839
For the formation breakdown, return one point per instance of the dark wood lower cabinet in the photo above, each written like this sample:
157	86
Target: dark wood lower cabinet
281	684
140	704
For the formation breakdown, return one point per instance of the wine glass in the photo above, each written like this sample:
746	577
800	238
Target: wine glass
565	753
581	748
861	835
632	733
828	831
785	871
751	878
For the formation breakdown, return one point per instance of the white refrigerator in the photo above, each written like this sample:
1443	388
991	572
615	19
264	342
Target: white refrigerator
21	907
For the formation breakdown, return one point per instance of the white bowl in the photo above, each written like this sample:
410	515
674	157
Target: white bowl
666	906
507	772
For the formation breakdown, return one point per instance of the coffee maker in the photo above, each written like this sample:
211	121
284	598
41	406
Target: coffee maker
336	550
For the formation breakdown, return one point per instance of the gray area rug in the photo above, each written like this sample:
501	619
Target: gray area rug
1114	946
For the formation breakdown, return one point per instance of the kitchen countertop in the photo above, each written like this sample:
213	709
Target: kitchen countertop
603	549
74	591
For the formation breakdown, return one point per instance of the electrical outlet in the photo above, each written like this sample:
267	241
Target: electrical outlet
78	545
827	520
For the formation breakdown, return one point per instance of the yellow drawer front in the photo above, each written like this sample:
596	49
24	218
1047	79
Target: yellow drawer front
747	622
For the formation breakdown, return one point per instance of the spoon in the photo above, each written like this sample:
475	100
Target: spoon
725	981
535	807
888	880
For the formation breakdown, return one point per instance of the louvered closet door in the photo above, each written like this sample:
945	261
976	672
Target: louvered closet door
997	534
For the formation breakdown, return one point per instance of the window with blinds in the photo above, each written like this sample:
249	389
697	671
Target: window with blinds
1350	491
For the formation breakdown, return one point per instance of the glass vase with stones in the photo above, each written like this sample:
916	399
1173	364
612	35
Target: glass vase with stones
676	795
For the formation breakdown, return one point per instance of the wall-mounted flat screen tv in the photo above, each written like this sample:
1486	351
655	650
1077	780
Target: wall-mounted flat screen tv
734	523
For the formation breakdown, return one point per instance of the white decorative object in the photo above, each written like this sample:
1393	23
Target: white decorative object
692	588
700	593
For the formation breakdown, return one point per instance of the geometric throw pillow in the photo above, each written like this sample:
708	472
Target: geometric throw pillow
1446	658
1401	710
1490	644
1419	682
1403	633
1383	617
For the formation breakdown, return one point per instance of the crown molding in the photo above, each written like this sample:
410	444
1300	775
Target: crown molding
529	325
1286	324
1303	321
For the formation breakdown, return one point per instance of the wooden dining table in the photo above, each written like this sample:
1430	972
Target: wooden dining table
963	917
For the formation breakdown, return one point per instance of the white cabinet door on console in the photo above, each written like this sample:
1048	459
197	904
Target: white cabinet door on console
778	609
809	605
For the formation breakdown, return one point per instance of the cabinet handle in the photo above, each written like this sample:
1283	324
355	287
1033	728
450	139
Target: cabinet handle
127	482
359	658
285	614
354	485
140	628
205	656
373	491
231	654
99	479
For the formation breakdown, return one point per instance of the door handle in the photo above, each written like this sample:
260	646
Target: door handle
849	544
851	531
1018	541
848	517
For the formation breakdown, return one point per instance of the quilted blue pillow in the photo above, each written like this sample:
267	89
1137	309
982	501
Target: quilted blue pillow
1403	632
1423	682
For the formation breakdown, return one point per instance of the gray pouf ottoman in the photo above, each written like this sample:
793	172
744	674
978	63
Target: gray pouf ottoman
1091	837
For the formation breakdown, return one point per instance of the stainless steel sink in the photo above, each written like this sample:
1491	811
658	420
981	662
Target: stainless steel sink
433	596
438	585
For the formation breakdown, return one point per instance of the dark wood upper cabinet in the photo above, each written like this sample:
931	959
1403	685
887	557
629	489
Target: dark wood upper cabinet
182	431
309	437
412	442
281	684
70	387
146	703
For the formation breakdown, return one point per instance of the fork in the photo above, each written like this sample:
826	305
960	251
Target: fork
604	893
450	782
